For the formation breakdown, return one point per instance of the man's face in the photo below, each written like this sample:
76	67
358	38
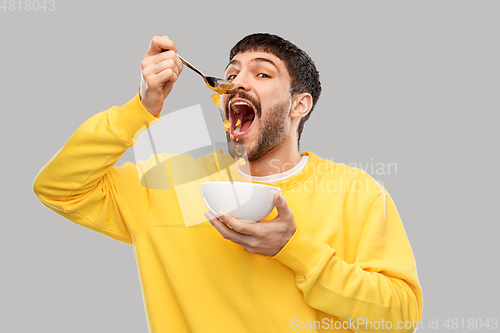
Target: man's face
259	108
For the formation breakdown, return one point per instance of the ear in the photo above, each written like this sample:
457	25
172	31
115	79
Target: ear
301	105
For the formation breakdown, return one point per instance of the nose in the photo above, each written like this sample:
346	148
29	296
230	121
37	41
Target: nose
241	82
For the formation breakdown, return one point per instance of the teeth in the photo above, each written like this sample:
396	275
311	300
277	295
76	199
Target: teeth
237	130
238	103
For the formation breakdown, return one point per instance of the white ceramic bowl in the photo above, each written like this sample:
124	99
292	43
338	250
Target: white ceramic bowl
247	202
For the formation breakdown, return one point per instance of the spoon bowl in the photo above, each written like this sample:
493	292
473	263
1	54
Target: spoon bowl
218	85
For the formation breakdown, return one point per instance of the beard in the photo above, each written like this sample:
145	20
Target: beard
272	133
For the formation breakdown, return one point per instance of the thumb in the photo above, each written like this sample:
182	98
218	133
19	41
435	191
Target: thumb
281	205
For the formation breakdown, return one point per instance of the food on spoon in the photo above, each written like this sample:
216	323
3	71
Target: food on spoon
241	161
222	88
227	87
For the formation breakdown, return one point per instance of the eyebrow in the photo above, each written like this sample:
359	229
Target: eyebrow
232	62
260	59
266	60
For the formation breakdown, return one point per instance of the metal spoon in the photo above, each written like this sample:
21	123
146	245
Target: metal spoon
216	84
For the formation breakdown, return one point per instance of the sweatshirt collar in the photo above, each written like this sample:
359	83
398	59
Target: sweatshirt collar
289	182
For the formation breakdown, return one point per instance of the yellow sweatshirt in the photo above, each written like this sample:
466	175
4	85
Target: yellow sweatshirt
348	267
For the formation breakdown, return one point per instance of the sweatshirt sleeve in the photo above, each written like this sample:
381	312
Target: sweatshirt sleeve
380	285
81	183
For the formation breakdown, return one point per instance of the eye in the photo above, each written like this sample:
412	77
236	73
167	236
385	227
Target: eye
230	77
264	76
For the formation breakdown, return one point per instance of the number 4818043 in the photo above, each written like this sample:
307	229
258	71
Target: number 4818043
28	5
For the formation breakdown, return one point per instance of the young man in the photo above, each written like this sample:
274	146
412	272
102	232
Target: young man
332	256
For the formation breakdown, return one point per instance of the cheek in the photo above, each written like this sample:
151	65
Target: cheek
223	99
223	103
275	93
274	97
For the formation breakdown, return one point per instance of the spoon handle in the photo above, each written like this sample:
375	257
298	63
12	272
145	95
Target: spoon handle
188	64
191	66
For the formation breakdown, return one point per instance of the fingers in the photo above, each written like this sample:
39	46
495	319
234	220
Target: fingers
157	82
159	43
225	230
157	64
159	72
244	228
161	58
259	238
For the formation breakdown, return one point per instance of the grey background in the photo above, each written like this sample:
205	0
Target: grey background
414	83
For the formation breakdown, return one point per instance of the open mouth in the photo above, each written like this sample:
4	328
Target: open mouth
241	116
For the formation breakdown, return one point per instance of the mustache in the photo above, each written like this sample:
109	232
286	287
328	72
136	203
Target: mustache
244	95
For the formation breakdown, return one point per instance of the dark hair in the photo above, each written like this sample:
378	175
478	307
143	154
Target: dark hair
303	73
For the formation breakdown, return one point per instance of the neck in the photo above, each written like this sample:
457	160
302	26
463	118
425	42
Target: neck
277	161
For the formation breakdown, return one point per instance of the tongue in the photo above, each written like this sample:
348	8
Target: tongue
243	118
246	125
237	119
